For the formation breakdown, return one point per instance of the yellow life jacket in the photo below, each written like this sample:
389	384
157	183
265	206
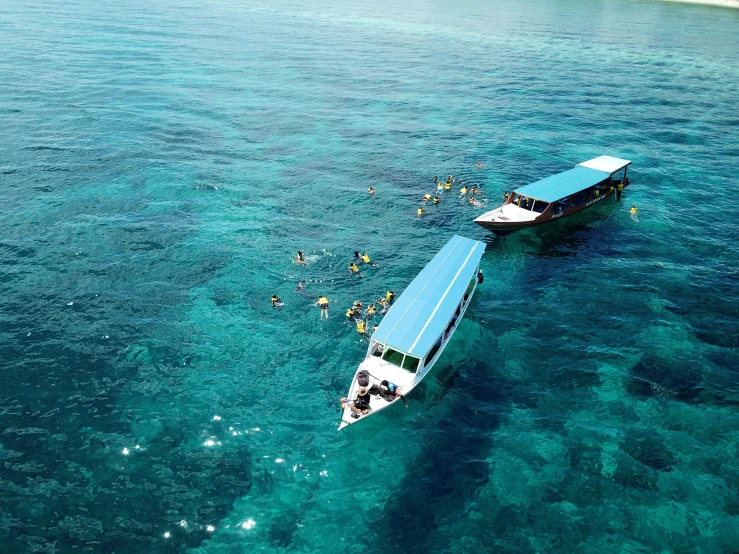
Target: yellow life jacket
389	296
440	186
463	190
420	211
436	200
349	313
322	301
353	267
633	210
371	311
360	327
448	186
620	187
365	258
426	196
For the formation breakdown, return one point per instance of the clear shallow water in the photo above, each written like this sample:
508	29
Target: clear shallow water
161	163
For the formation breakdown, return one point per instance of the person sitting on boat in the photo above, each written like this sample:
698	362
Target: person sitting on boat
361	405
437	199
506	196
390	391
354	270
277	302
300	259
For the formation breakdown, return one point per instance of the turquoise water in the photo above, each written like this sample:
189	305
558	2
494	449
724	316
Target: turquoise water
161	163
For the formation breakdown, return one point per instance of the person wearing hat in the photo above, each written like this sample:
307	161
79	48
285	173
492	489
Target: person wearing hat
361	405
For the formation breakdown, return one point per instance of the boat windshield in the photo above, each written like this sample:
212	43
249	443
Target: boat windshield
393	356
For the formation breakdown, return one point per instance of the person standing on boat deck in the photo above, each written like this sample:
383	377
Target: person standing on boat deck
323	304
390	391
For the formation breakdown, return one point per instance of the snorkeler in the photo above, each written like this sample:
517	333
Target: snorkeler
360	327
371	191
356	254
354	270
437	199
300	259
474	190
366	259
370	312
426	198
420	211
277	302
633	211
323	304
463	190
389	297
436	178
478	165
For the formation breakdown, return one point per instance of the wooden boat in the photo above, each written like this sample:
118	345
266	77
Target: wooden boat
558	196
419	325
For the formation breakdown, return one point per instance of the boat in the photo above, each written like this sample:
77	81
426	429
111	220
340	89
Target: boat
418	325
558	196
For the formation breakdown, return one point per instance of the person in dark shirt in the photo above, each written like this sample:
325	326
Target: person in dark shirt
391	391
361	405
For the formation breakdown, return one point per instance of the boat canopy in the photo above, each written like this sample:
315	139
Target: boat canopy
572	181
419	316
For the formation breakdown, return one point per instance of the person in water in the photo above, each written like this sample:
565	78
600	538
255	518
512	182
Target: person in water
437	199
421	211
480	277
300	259
474	190
323	304
426	198
374	327
463	190
277	302
354	270
371	192
361	328
478	165
389	297
300	287
633	212
370	312
356	254
450	179
390	391
366	259
436	178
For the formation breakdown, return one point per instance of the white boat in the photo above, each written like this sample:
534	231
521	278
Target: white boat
419	324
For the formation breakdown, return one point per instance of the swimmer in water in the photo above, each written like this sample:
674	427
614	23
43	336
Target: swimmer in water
474	190
277	302
366	259
323	304
463	190
371	192
354	270
420	211
475	202
300	259
436	178
478	165
356	254
633	212
437	199
426	198
300	287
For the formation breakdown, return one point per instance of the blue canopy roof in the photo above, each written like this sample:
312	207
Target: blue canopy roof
563	184
419	315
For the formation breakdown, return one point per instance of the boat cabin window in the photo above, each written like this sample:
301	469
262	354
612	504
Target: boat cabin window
561	204
433	351
410	363
393	356
539	206
376	349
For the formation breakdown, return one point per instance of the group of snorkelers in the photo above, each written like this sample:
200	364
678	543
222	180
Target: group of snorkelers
361	316
447	185
364	258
